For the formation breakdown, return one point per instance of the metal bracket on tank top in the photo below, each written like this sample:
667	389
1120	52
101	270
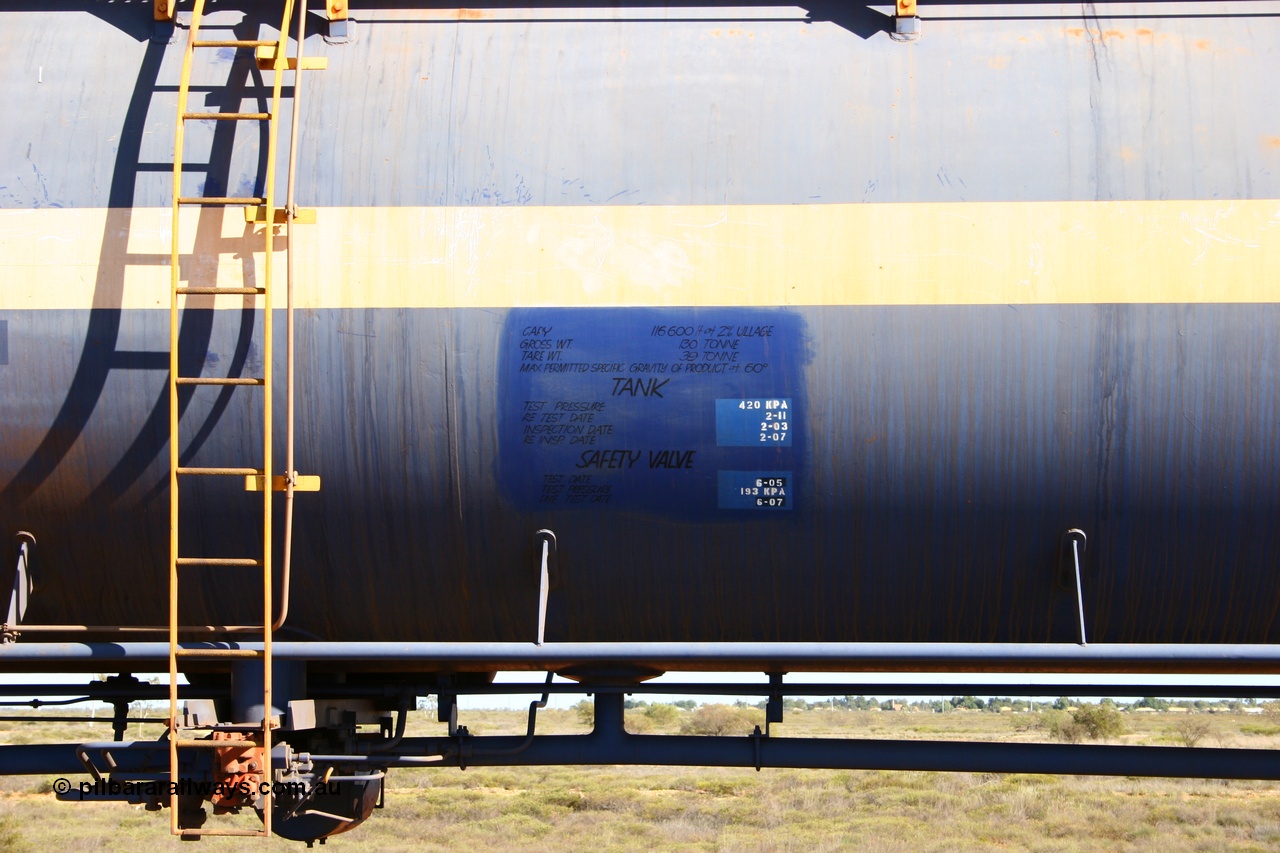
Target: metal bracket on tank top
1070	558
545	541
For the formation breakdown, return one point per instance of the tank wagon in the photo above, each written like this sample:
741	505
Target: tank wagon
350	355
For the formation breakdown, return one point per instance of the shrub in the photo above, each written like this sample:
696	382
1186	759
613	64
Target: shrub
720	720
1189	731
638	724
1093	722
1060	726
1098	721
662	715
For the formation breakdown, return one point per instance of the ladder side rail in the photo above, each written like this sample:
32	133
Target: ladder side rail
279	66
175	275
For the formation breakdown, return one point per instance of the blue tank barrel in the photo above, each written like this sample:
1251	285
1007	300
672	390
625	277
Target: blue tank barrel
788	331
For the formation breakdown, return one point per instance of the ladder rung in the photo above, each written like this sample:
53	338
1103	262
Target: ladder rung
227	116
168	167
222	472
233	43
202	833
252	729
220	200
219	380
238	833
219	561
220	291
215	744
218	653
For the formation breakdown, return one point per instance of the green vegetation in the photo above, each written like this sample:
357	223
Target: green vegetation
719	809
721	720
1086	722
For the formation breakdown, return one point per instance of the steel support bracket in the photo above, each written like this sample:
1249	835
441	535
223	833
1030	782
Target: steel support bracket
301	483
757	737
164	9
773	707
906	23
447	703
339	24
463	736
257	215
266	58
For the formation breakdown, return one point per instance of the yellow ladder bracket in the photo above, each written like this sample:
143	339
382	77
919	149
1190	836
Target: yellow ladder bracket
301	483
257	215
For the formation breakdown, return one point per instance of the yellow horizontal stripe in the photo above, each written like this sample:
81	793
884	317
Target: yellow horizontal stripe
862	254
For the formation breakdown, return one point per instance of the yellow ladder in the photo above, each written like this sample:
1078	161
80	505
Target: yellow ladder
271	55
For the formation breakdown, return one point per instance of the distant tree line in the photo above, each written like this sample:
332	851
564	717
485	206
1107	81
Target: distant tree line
1005	704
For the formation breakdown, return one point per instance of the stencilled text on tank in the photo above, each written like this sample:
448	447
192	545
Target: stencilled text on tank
650	410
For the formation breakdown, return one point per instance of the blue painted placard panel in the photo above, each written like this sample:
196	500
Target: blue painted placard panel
649	410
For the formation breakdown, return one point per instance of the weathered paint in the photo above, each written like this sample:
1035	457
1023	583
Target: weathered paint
1058	310
883	254
945	450
636	105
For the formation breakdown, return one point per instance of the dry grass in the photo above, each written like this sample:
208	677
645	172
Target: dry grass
635	808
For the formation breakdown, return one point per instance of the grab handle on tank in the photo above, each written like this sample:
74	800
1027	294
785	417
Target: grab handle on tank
1070	557
547	540
22	588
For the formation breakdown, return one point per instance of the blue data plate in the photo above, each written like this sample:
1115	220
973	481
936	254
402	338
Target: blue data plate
648	409
769	490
